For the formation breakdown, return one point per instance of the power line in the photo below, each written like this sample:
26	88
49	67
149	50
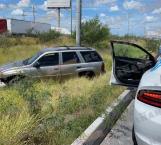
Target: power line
33	13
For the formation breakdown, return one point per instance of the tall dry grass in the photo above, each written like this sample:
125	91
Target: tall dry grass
48	112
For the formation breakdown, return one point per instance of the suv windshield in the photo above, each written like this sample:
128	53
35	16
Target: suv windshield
32	59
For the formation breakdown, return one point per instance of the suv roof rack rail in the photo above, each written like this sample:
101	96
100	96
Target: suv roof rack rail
81	47
68	47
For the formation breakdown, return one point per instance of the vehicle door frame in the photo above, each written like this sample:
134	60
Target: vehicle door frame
52	52
112	42
62	64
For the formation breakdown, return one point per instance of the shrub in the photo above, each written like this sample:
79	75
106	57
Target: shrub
152	45
35	98
5	42
93	32
47	36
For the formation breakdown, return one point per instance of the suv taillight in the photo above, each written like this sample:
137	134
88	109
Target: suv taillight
103	68
150	97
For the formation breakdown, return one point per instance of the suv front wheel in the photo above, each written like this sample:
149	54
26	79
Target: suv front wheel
12	79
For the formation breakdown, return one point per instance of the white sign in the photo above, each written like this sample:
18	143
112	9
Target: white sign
58	4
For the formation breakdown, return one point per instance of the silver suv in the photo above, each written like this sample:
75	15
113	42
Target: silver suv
55	62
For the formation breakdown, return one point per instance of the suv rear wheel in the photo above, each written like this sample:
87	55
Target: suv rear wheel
87	74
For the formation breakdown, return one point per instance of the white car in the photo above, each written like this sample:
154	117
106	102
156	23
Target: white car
133	66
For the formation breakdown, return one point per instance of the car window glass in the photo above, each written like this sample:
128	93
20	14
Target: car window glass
91	56
49	60
70	58
124	50
32	59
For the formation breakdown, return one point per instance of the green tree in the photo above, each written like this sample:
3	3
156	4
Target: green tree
94	32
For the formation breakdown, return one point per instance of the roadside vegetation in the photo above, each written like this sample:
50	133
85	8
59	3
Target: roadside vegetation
95	34
48	112
51	112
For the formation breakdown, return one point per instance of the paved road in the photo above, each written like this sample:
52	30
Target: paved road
122	131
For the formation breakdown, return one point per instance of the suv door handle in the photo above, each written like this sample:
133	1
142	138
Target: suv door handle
56	69
79	67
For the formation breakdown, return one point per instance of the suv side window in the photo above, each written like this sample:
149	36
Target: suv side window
49	60
70	58
91	56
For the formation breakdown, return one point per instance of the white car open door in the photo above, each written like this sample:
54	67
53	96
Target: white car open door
130	61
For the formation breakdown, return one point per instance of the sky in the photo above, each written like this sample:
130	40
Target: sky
135	17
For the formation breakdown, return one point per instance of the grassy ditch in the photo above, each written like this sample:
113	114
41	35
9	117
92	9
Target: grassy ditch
48	112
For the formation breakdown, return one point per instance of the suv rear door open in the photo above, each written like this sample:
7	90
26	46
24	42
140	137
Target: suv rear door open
130	61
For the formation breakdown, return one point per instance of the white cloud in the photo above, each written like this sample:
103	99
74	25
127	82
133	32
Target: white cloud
49	16
154	33
132	4
101	2
2	6
23	3
157	11
150	18
113	21
114	8
52	13
43	6
86	18
17	12
102	15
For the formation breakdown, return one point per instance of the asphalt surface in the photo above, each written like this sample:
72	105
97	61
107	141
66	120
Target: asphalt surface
121	134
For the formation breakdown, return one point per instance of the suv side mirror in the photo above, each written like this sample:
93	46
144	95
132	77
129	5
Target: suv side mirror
37	65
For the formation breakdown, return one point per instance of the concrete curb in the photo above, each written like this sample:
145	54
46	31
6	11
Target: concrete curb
98	130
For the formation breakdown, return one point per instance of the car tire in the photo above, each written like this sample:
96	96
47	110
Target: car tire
13	79
134	137
88	74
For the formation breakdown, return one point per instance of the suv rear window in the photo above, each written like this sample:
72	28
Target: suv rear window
91	56
70	58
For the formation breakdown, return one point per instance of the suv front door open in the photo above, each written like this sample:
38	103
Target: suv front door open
130	61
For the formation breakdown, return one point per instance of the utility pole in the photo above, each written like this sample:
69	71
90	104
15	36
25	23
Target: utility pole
145	30
71	18
58	17
128	17
78	21
23	15
33	12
